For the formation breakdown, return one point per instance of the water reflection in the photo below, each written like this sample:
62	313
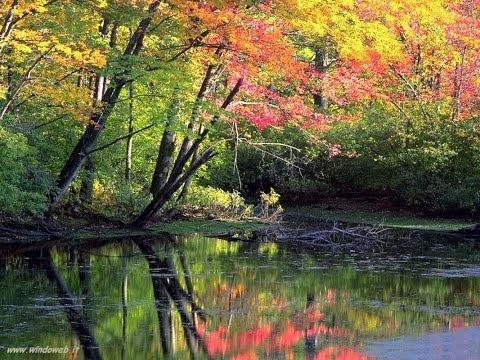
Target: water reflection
74	313
166	288
209	299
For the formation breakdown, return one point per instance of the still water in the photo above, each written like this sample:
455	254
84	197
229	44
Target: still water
194	297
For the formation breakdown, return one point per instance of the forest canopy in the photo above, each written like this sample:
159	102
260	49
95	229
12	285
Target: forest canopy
129	107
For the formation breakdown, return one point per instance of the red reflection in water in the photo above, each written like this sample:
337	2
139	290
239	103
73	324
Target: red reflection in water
280	336
456	322
341	353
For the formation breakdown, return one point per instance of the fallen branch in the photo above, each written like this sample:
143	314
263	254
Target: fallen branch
337	239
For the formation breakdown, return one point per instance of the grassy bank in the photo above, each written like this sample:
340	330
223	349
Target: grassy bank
72	234
368	215
177	227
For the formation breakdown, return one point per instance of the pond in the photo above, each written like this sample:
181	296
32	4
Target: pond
196	297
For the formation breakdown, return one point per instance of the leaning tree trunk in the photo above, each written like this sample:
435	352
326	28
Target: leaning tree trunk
172	185
167	145
165	150
181	173
212	71
98	119
186	185
101	85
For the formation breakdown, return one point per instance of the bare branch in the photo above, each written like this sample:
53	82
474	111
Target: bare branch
258	147
414	91
120	139
49	122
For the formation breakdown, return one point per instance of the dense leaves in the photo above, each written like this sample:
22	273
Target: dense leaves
95	88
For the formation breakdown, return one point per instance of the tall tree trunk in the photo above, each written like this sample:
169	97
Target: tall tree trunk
86	187
101	86
322	61
99	118
128	153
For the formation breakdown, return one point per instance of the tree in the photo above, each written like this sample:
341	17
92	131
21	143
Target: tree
203	68
100	117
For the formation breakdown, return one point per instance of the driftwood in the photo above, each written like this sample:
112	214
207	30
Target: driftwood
342	239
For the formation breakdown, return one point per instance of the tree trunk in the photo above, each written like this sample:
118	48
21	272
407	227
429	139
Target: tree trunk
184	192
321	63
86	188
188	142
176	180
128	155
98	120
165	151
172	185
323	59
164	159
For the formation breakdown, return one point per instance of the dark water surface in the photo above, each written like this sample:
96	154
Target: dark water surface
181	298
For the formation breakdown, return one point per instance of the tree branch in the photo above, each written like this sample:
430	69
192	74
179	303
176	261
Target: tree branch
120	139
22	82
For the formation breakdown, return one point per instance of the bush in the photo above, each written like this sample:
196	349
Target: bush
432	165
294	174
217	202
270	208
116	199
23	185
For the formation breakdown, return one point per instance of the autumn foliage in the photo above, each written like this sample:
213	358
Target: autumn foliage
76	61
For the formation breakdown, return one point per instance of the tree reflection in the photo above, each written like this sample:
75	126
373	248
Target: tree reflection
259	305
76	318
310	339
124	307
166	288
277	338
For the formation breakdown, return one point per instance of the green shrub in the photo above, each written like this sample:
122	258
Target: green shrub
270	208
432	165
116	199
23	185
271	160
217	202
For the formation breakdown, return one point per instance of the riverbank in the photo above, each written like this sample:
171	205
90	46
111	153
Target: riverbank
76	230
373	212
350	212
